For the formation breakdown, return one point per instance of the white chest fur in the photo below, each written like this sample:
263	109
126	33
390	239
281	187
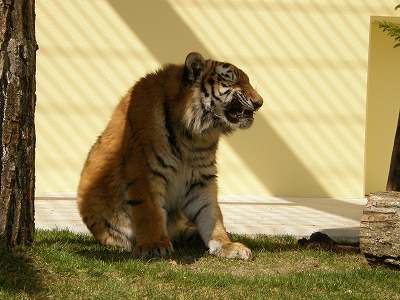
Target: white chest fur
195	170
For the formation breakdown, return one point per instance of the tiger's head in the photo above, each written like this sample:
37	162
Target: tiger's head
222	97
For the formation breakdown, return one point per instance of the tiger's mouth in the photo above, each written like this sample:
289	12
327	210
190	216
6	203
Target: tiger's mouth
235	112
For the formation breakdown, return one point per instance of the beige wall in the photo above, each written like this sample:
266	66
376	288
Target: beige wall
383	105
307	58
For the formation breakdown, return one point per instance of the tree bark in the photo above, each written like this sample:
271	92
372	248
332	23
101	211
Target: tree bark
17	132
393	183
380	229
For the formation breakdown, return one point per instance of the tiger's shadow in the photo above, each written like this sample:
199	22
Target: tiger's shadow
186	252
189	251
180	256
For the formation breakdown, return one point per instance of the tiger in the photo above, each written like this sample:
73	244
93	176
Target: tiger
151	176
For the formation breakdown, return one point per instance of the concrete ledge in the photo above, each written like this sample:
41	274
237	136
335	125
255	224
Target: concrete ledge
339	218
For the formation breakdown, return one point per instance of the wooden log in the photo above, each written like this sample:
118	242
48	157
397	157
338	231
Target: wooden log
380	229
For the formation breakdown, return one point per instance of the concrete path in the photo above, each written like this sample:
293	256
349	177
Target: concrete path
339	218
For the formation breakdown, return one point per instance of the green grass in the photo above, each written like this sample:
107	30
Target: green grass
63	265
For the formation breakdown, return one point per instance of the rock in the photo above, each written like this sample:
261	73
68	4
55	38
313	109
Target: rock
321	241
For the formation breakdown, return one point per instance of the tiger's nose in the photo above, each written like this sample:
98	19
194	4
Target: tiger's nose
257	105
257	102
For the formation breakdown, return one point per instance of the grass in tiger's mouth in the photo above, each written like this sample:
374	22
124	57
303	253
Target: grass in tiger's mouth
65	265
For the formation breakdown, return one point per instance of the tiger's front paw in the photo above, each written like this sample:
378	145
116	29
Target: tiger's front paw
229	250
161	248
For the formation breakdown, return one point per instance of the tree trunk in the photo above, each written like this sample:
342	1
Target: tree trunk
17	131
380	229
393	183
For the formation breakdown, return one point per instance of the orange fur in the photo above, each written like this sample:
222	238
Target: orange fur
150	155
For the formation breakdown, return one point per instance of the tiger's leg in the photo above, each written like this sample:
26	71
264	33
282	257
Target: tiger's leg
149	220
202	209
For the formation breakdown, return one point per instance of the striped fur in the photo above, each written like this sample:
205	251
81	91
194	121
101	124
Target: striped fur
152	176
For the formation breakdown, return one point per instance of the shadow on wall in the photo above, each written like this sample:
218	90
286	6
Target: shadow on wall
161	37
160	29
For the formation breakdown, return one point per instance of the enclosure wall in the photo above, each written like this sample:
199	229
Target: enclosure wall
308	59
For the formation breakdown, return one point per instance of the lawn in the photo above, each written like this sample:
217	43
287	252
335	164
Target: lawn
63	265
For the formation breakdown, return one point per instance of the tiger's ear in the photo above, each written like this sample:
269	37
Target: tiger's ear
194	65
